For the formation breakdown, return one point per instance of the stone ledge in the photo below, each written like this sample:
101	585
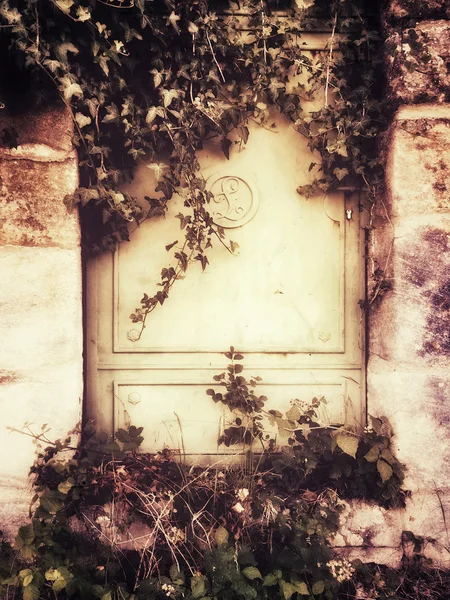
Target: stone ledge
37	153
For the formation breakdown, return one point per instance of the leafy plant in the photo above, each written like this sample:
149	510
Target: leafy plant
149	82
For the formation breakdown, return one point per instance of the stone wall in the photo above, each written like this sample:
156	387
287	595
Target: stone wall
409	328
40	298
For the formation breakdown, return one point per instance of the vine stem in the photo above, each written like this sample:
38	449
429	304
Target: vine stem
330	56
214	56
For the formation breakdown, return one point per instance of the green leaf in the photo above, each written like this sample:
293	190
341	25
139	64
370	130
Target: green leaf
176	575
64	5
221	535
340	173
318	587
51	501
294	413
25	534
31	592
113	113
384	469
198	586
373	454
287	589
168	96
252	573
70	89
301	588
27	577
65	486
59	584
347	443
272	578
82	120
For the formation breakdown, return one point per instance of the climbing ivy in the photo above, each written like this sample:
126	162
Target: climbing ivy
147	82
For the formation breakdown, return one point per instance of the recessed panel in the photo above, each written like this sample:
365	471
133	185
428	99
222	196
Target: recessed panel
281	289
185	419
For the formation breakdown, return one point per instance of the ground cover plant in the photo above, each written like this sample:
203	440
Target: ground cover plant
110	522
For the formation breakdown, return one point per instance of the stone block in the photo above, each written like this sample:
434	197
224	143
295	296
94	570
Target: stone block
416	403
411	325
51	126
40	307
417	9
418	169
33	182
418	62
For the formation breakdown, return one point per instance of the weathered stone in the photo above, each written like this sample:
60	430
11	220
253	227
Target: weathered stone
416	403
418	167
40	308
411	325
417	9
51	126
41	376
33	183
418	62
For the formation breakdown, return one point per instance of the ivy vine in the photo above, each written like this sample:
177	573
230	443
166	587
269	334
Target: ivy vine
150	81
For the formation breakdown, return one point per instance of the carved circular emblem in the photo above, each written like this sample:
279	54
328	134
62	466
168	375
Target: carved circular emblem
235	199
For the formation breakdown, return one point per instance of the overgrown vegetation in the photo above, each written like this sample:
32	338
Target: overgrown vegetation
150	81
110	522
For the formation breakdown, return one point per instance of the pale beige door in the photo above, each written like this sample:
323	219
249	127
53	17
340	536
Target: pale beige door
288	300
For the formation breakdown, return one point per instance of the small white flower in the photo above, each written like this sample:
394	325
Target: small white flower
242	494
238	508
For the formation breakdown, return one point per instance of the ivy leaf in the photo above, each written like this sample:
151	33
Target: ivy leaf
234	246
225	144
70	89
52	65
51	501
340	173
25	535
64	5
168	96
83	14
61	51
385	470
173	19
82	120
113	113
244	133
304	4
294	413
157	77
347	443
